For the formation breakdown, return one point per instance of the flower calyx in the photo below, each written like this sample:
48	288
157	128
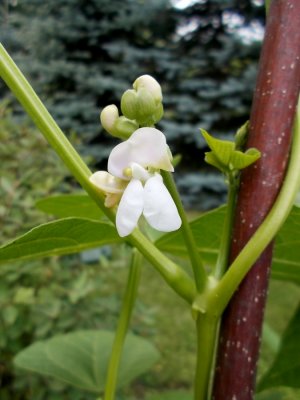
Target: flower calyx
118	126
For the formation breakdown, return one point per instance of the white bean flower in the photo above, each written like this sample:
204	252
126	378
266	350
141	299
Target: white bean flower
133	181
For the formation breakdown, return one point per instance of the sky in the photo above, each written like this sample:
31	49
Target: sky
235	22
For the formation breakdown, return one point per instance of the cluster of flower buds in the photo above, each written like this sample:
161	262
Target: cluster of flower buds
141	106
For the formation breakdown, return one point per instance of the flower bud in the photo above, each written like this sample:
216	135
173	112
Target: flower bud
150	84
144	102
129	104
146	107
108	117
120	127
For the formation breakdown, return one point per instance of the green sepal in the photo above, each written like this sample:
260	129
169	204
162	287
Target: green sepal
124	128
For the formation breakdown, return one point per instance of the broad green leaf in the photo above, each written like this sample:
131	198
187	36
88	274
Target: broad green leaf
64	236
171	395
285	370
81	358
70	205
286	261
207	231
278	394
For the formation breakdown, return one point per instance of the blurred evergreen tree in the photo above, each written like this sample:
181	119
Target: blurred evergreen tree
81	55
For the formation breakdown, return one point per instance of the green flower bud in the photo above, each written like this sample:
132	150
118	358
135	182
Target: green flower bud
144	102
158	113
129	105
150	84
146	106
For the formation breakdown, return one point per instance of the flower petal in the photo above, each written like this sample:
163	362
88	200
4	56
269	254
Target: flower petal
130	208
146	146
160	210
138	172
108	183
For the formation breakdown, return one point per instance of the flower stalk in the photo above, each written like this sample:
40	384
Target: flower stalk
123	323
200	274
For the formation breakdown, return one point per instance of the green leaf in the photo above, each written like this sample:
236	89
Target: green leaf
286	261
70	205
222	149
207	231
285	370
241	160
211	159
278	394
64	236
224	155
81	358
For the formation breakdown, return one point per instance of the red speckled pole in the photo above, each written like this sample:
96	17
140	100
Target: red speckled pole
272	115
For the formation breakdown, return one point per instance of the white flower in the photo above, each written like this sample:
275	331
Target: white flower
133	179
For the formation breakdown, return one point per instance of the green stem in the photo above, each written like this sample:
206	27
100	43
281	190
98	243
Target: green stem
173	274
219	297
222	261
196	261
207	329
125	315
267	6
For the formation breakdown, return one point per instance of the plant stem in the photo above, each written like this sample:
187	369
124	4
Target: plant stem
172	273
207	329
123	323
221	294
196	261
223	257
270	131
267	5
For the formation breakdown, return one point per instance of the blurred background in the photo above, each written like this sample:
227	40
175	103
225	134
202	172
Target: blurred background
80	55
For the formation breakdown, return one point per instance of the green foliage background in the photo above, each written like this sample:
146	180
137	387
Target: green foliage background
80	56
